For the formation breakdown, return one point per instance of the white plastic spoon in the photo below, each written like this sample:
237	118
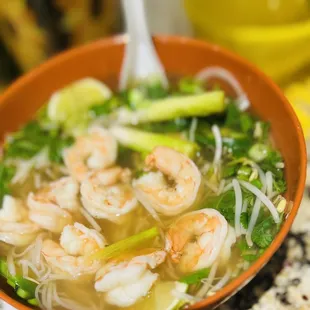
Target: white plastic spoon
140	61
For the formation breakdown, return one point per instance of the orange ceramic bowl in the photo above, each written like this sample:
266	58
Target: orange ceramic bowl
180	57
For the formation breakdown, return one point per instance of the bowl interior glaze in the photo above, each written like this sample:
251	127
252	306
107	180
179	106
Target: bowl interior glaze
180	57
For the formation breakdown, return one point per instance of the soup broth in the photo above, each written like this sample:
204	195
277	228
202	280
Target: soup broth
150	198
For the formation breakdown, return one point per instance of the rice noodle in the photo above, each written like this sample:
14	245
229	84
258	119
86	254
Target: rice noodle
227	188
32	280
253	219
44	295
221	187
218	145
31	266
66	302
269	183
23	169
90	219
212	187
37	294
36	255
208	281
28	249
205	168
238	206
50	295
24	265
50	173
227	76
46	275
192	129
244	209
223	281
10	262
264	199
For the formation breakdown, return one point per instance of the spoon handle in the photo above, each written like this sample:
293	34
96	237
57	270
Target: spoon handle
140	61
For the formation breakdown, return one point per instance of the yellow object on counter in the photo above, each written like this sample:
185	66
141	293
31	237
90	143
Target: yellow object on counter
299	96
273	34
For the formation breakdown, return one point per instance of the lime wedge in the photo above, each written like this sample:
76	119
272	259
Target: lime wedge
161	297
69	105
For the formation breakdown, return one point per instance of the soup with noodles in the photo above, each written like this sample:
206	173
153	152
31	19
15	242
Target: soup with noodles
150	198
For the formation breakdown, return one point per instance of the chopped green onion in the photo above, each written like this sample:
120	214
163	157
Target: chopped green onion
143	141
126	245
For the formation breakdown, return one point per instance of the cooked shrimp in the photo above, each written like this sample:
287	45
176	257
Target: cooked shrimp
51	207
179	192
96	150
69	257
196	239
15	227
108	193
126	282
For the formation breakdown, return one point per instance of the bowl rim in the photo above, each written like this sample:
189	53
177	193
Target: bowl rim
250	273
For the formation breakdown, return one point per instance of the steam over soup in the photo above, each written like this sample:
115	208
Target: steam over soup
143	199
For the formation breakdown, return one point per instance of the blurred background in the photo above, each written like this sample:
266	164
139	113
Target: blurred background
273	34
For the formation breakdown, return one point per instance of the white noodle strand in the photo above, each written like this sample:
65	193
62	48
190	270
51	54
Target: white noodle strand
206	286
238	206
225	75
227	187
264	199
11	264
221	187
218	145
28	249
212	187
90	219
253	219
223	281
244	209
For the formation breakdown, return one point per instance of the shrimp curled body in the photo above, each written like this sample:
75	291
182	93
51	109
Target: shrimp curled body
124	283
69	256
96	150
52	207
15	227
108	194
196	239
169	199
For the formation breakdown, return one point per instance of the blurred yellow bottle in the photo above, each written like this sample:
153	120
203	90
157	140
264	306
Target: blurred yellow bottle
274	34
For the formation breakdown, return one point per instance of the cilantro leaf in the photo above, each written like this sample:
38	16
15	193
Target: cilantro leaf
264	232
225	204
244	219
32	138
